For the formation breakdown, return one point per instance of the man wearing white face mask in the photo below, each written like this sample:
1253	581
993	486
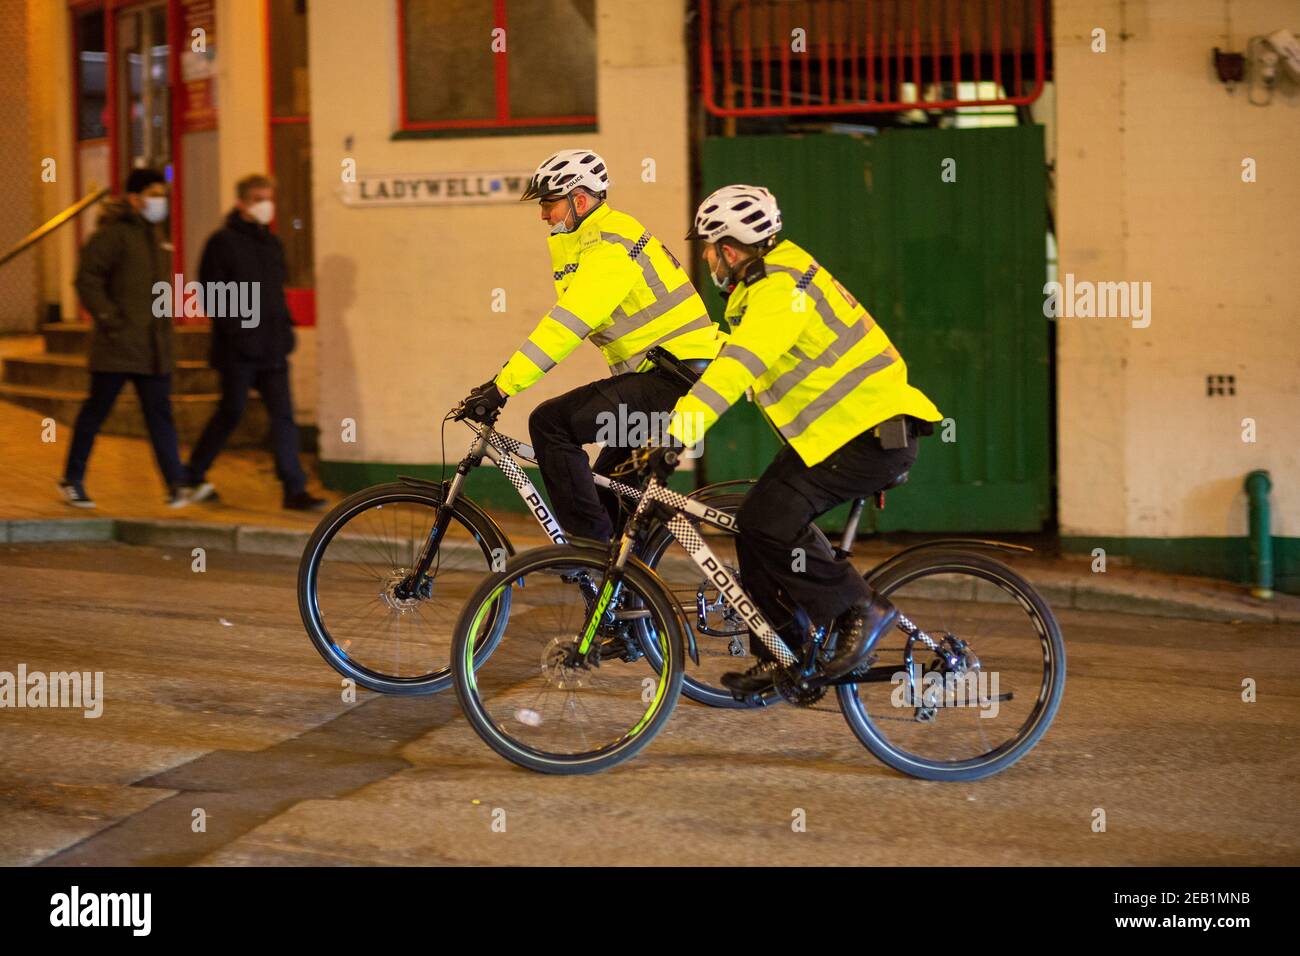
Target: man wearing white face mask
250	350
620	287
119	267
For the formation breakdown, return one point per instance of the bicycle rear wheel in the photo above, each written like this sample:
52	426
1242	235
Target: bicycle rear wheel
919	714
532	698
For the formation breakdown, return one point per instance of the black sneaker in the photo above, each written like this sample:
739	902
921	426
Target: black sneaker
757	680
304	501
859	629
74	493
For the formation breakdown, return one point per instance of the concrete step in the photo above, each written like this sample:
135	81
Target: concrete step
191	412
190	342
67	372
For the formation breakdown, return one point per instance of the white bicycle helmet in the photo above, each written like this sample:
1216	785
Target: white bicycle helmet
748	214
564	172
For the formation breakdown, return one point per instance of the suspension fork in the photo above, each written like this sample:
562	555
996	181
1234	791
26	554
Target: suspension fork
450	492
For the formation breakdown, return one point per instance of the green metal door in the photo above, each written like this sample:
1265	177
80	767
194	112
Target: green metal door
954	272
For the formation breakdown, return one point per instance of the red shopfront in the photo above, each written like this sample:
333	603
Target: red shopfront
136	103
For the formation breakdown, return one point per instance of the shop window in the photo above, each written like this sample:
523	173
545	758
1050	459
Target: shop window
472	67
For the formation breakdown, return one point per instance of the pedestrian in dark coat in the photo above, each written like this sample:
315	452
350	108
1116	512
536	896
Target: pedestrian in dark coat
250	346
120	267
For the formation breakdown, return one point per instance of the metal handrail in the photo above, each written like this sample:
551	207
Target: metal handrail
41	232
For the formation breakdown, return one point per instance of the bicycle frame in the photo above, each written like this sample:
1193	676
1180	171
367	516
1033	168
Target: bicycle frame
685	534
502	451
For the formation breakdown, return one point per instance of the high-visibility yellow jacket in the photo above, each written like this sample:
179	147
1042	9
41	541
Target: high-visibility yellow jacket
820	367
621	288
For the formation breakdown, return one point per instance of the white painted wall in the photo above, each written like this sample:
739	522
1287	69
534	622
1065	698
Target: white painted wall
1149	151
404	294
242	148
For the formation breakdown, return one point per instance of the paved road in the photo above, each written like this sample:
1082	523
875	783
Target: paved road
214	701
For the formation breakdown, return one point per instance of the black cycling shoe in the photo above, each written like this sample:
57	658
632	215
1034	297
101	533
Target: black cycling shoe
859	629
757	680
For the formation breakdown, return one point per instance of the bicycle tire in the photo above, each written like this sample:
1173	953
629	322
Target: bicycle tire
996	572
485	531
638	579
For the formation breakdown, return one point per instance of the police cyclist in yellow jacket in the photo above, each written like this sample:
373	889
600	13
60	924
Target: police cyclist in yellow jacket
619	287
826	376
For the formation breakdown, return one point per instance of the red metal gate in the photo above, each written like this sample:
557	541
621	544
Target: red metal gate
801	57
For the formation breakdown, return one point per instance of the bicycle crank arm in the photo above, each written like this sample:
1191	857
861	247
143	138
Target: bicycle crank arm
875	675
713	632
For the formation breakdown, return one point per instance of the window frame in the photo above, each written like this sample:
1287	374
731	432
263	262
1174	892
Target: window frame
502	122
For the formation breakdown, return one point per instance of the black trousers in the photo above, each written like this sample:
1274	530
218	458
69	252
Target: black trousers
155	393
616	408
273	385
775	520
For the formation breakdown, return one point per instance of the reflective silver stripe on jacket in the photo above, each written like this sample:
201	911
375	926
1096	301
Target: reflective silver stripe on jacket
823	402
745	357
847	336
710	397
624	323
703	322
636	252
536	356
570	321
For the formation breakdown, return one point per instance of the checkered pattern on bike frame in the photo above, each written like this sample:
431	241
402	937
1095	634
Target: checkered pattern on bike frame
690	539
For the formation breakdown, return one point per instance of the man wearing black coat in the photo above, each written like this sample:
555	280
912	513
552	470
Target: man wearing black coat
121	268
250	351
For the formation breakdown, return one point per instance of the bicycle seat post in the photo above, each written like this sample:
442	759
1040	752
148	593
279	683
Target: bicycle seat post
851	528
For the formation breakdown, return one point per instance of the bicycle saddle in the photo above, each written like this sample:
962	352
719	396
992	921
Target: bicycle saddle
900	480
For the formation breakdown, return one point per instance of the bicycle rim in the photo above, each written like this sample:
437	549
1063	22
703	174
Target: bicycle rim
534	699
354	612
939	723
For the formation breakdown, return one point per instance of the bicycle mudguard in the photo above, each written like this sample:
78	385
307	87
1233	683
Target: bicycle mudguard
986	544
469	505
731	486
591	544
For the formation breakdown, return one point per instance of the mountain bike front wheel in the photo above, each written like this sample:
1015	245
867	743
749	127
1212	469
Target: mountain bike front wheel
352	575
540	702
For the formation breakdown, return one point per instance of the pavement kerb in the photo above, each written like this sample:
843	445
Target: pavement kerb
1093	594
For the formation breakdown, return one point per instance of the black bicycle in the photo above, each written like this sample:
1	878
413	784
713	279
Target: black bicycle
384	575
963	687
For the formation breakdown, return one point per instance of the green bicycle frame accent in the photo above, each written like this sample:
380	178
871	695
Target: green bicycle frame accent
472	645
606	593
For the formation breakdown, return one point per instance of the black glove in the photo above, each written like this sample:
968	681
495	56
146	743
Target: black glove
482	404
658	460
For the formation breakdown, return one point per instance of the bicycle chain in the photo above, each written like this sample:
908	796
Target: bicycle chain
796	695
